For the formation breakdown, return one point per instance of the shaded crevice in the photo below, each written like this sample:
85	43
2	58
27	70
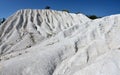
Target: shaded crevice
76	47
52	70
31	17
87	56
49	26
20	22
3	49
25	20
38	19
10	27
32	37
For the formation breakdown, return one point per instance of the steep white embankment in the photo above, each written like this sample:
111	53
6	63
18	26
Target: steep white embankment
61	44
27	41
28	27
97	45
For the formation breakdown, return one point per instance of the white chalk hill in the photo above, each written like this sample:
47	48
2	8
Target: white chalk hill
48	42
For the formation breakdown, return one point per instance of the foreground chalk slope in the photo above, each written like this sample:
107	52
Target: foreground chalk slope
47	42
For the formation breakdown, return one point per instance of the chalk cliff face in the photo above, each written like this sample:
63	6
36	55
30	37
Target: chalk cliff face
48	42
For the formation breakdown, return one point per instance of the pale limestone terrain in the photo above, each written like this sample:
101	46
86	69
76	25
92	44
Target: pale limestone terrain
48	42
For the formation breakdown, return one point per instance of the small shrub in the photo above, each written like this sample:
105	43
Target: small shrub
92	17
66	10
47	7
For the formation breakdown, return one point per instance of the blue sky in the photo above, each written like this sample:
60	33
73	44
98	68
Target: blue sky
89	7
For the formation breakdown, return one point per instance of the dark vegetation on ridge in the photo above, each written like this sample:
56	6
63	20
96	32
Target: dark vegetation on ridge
2	20
64	10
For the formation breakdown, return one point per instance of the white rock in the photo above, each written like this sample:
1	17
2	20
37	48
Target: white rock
47	42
